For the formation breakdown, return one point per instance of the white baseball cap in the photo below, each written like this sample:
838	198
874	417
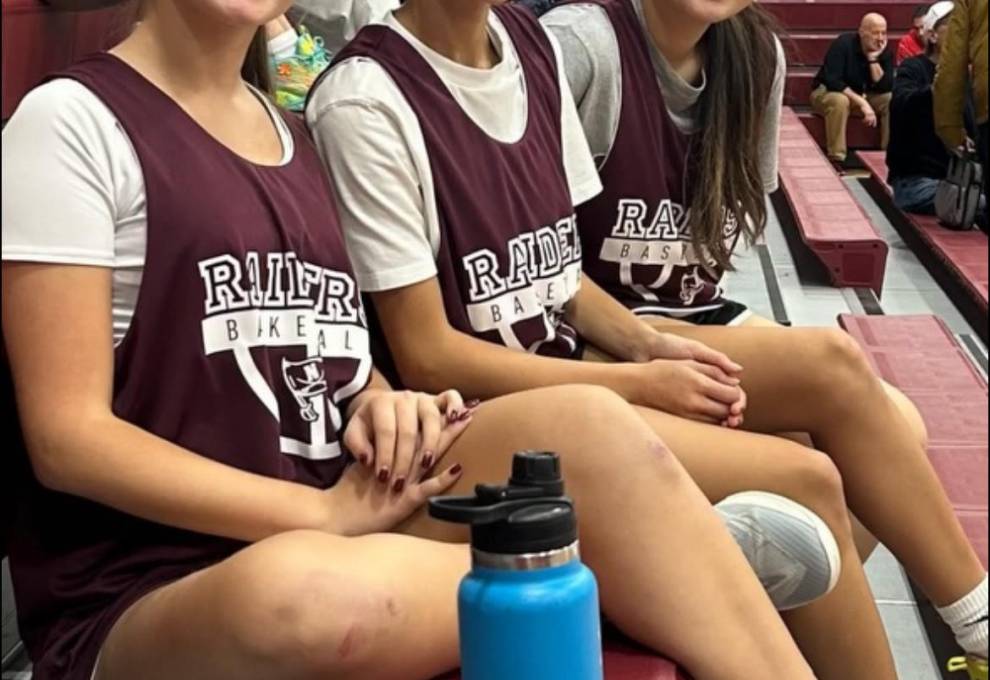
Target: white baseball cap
939	11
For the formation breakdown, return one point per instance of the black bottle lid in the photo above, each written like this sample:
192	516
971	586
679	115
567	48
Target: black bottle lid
530	514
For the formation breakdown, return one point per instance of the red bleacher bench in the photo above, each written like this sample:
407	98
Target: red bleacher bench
833	225
38	39
624	661
964	254
920	356
837	15
808	48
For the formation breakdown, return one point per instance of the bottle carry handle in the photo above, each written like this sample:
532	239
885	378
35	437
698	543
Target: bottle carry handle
491	504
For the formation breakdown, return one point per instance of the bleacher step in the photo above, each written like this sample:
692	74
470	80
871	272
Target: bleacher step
920	356
838	15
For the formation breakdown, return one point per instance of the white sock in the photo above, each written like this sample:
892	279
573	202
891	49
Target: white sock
968	620
283	45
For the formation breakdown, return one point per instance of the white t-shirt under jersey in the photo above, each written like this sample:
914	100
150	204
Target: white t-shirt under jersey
73	189
591	53
374	145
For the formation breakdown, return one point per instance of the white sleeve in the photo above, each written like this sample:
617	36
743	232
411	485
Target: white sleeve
59	199
770	142
378	187
579	164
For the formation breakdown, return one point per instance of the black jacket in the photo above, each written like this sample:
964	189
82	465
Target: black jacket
846	65
915	149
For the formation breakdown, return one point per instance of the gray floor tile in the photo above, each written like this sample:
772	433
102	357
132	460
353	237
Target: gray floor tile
907	639
897	302
887	578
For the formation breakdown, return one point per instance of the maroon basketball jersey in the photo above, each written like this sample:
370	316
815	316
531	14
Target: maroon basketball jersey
510	255
637	233
247	340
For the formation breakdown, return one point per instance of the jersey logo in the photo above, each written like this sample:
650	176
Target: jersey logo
310	323
692	285
307	382
540	275
662	240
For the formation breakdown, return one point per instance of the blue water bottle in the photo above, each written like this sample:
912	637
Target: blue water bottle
529	608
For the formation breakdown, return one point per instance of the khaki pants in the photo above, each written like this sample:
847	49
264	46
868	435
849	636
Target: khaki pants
836	108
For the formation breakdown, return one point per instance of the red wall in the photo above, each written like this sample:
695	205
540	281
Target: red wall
37	40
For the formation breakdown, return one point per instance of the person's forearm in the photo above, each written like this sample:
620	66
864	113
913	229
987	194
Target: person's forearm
855	97
480	369
109	461
607	324
877	72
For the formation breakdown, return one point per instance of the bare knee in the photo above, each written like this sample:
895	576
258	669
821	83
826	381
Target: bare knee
592	414
295	607
840	362
817	484
915	421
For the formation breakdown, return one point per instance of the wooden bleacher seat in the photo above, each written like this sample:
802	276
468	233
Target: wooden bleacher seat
831	222
920	356
962	255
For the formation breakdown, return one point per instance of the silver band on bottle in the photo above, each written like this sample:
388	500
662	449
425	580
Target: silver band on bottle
527	561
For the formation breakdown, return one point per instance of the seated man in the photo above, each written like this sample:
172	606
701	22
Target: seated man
917	158
913	44
857	79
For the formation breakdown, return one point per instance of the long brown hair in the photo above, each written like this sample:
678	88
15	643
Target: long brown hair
724	167
255	70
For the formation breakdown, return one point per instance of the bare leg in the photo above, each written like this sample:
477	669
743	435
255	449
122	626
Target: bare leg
841	635
818	381
637	509
299	606
904	405
866	543
308	605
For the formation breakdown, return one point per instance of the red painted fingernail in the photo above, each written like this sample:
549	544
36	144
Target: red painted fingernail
453	416
400	485
363	459
473	404
383	475
456	470
427	460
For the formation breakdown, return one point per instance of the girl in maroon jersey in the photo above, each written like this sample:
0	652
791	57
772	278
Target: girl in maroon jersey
449	133
680	101
192	370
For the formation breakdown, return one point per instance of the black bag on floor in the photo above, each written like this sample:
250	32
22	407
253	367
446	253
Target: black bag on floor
959	195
